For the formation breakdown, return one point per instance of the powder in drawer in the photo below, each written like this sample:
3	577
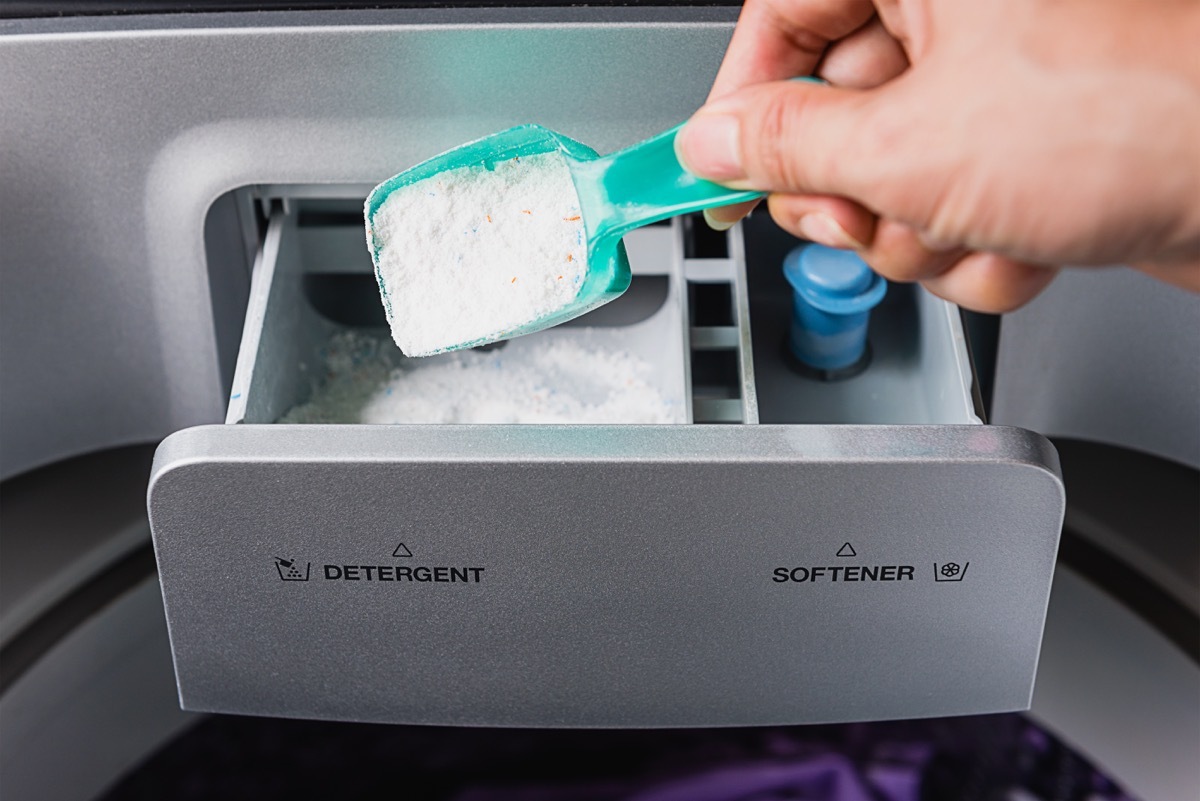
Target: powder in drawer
551	377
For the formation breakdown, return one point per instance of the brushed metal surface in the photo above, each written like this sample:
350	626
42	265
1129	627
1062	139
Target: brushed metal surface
1104	673
94	706
627	574
1106	356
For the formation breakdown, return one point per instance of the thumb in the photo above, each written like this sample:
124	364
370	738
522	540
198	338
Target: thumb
795	138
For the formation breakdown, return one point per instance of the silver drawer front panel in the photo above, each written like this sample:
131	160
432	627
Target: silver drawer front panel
595	576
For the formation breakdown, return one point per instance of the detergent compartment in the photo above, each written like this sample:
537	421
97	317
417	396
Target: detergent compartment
316	346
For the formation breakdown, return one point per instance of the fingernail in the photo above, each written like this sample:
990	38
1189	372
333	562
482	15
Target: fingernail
709	146
714	223
824	230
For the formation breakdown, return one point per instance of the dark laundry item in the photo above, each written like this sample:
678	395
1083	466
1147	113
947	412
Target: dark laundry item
828	777
825	778
982	758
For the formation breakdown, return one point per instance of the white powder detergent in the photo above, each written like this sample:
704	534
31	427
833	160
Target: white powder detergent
472	254
543	378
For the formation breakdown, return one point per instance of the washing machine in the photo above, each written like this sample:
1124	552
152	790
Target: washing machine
968	571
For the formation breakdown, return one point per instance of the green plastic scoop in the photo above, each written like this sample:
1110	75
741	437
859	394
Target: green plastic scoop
617	193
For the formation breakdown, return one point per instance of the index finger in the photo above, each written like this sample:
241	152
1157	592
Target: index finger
778	39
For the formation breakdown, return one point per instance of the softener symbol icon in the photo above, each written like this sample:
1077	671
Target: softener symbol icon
290	570
950	571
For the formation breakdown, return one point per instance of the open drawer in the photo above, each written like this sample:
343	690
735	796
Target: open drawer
735	543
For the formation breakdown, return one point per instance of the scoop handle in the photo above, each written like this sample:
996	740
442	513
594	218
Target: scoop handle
642	184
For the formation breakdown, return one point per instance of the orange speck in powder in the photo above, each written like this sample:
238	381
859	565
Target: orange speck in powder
526	211
514	280
570	257
489	218
571	219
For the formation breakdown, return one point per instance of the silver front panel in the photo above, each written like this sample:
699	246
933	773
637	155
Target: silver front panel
605	576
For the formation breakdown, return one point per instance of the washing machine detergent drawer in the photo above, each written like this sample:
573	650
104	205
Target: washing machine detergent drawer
786	550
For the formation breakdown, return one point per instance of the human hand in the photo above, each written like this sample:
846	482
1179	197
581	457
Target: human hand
971	146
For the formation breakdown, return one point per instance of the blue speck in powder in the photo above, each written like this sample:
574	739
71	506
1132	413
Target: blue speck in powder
235	397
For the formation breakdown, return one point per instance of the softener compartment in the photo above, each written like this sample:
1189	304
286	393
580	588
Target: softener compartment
652	516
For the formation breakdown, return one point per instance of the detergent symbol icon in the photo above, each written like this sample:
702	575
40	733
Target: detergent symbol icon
290	570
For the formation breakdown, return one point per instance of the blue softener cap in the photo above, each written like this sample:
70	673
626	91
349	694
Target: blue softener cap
833	294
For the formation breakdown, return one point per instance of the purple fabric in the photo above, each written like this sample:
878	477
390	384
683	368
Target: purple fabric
895	772
576	792
983	758
946	760
895	783
824	777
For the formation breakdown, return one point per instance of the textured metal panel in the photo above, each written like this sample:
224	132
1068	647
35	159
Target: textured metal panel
117	134
1109	356
1103	674
93	707
627	573
64	525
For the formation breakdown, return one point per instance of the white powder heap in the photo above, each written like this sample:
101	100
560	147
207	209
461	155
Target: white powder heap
471	254
354	367
547	378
